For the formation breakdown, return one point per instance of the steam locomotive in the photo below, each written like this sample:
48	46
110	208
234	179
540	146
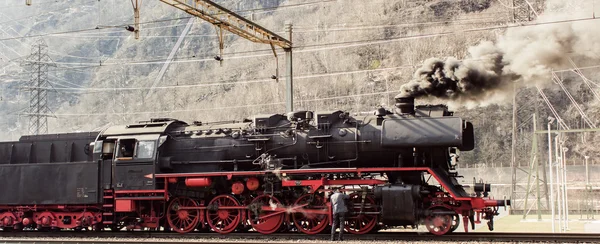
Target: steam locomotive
270	174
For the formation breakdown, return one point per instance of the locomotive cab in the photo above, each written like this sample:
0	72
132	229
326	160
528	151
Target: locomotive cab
129	154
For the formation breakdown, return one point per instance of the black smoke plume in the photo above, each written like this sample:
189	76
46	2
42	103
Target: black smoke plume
526	55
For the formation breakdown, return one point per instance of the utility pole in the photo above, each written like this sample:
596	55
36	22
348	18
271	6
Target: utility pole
136	15
529	188
589	195
525	110
38	62
289	79
552	203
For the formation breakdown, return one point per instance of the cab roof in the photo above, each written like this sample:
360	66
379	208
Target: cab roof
154	126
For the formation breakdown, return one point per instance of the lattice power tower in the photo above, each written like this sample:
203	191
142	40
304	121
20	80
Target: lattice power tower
37	63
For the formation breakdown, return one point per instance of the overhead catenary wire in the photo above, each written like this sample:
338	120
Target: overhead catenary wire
161	59
222	83
37	4
221	108
302	30
573	101
549	104
587	81
281	7
391	39
38	14
407	66
338	45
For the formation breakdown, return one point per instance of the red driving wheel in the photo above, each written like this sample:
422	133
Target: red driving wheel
183	220
361	222
308	219
438	224
266	205
223	220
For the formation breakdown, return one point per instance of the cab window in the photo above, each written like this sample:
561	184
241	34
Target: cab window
126	148
98	147
145	149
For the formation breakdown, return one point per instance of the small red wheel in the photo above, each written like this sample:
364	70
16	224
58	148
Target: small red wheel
438	224
223	220
265	206
311	219
183	220
358	223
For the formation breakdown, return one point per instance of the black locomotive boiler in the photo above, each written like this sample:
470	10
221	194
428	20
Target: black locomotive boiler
272	173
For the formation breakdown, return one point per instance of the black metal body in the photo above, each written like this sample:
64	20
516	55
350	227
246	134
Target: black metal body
74	168
49	169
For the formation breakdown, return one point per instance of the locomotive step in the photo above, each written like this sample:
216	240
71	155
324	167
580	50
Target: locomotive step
107	205
107	214
107	222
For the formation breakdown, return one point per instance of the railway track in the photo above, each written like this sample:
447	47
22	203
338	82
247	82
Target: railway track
251	238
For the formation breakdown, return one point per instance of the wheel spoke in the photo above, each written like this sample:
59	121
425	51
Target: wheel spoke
182	220
224	220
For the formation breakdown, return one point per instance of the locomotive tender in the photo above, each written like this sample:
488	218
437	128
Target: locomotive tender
270	174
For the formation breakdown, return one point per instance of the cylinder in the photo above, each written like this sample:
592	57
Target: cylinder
198	182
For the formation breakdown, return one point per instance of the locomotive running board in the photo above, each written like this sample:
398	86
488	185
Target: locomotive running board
443	179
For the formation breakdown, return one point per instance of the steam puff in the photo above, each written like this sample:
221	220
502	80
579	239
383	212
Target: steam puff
453	79
526	55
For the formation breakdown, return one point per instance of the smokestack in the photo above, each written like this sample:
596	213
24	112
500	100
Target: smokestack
405	104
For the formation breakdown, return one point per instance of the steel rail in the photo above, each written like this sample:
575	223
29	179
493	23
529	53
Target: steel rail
163	237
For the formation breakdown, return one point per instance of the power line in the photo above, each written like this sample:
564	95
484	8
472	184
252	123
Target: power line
37	4
222	83
220	108
39	14
148	22
328	46
447	33
335	45
325	29
56	33
155	21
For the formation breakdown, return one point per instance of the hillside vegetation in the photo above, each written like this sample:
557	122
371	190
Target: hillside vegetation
349	55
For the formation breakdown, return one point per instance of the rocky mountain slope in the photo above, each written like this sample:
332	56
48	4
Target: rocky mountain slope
349	54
